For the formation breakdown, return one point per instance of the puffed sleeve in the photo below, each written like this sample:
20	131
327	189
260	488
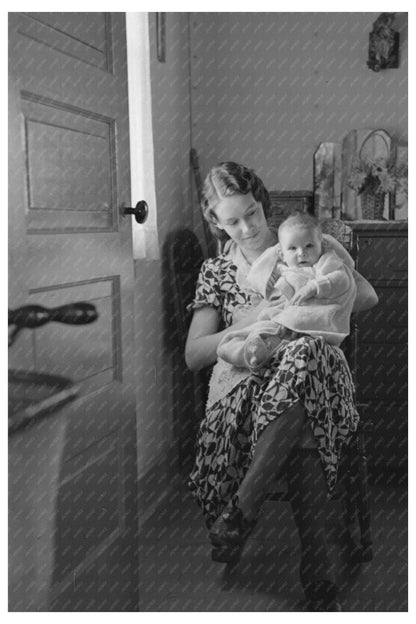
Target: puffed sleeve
208	292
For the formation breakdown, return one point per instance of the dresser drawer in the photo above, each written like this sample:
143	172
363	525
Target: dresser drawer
387	321
382	257
387	444
382	371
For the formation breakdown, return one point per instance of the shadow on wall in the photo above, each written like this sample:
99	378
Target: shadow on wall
181	259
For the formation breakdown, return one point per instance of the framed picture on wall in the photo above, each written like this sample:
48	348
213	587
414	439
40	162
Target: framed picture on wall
285	203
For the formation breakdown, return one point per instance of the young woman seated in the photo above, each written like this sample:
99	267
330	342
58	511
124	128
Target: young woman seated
258	422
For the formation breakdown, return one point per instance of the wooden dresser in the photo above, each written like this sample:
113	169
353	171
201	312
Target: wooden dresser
382	364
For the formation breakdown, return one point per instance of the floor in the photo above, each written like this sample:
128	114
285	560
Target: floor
177	574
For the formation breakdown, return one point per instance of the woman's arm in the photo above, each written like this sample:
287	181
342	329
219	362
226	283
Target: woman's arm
366	297
204	337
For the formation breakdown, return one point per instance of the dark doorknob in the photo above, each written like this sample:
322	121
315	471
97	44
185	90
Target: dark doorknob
140	211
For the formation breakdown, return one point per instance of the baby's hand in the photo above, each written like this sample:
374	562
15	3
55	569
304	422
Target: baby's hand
303	294
281	331
255	352
287	334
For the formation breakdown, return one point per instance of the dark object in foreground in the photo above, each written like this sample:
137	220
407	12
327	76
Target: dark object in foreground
33	316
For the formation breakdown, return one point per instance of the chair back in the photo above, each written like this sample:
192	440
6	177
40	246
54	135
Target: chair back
343	233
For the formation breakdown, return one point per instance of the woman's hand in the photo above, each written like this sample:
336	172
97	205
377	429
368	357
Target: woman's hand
366	297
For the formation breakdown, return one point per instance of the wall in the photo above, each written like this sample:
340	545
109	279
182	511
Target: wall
171	128
267	88
264	89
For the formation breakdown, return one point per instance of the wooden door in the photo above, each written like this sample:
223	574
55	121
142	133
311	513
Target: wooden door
69	175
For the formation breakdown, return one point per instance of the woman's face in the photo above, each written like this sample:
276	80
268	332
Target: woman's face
242	217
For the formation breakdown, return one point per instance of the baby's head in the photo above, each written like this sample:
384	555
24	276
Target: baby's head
300	240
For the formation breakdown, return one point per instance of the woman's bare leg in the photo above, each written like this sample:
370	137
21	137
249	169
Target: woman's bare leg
308	497
290	439
290	436
306	439
272	451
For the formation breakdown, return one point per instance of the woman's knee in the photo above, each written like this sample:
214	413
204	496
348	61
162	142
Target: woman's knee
291	421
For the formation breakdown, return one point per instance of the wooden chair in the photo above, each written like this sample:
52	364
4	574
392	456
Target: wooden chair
185	258
354	471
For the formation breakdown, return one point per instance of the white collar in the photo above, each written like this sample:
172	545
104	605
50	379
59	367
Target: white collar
243	265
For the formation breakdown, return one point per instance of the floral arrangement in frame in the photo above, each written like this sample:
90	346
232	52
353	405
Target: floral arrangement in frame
372	176
368	175
401	189
376	178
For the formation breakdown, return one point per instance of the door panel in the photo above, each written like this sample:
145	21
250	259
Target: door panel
95	348
85	36
71	180
69	174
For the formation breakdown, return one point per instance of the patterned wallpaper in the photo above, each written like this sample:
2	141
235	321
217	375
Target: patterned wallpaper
267	88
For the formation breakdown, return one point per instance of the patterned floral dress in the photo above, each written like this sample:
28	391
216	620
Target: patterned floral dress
306	370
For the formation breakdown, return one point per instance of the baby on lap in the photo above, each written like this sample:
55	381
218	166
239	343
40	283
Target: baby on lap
308	283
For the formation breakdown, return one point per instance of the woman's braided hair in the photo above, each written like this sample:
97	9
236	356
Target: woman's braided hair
228	179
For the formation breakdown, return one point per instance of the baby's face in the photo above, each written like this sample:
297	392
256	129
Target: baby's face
300	246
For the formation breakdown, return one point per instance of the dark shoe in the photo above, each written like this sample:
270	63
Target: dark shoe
226	554
322	605
322	596
230	528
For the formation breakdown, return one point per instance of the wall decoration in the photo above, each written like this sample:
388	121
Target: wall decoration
383	48
368	175
285	203
327	180
401	190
